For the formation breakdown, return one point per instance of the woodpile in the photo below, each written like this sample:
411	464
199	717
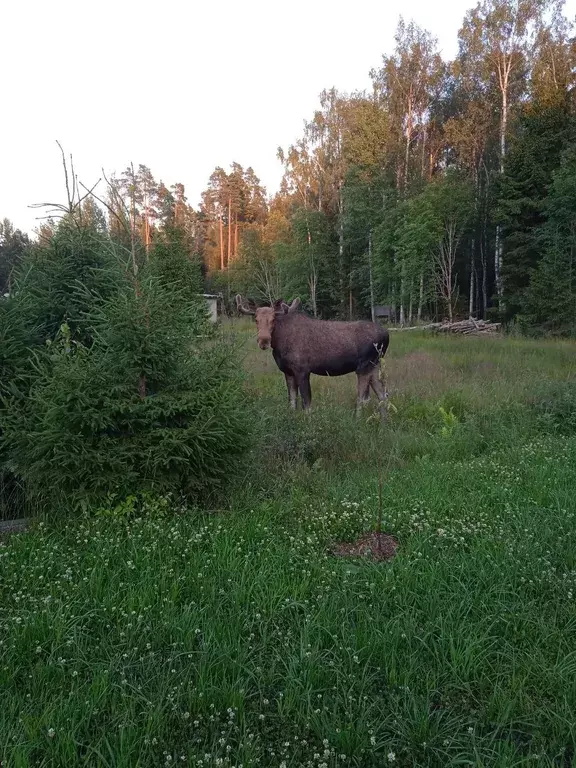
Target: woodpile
468	327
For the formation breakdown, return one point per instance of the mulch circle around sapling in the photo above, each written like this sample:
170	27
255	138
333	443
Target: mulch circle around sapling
373	545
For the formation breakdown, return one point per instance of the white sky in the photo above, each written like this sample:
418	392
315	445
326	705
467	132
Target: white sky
181	86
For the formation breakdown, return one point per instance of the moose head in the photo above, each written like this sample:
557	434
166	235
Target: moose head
266	317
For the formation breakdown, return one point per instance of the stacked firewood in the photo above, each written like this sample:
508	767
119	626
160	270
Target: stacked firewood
468	327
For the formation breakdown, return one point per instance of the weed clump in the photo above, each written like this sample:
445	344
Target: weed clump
555	406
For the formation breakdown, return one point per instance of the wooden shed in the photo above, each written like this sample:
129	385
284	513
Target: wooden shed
382	312
212	302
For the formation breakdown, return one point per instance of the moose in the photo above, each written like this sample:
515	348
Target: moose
302	345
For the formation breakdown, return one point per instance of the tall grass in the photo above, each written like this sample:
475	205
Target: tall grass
157	635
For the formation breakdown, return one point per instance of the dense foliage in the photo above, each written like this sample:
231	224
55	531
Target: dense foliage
112	380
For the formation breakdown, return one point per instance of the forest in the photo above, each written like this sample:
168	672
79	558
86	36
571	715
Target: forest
445	190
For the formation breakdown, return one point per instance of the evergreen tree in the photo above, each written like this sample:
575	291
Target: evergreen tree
13	245
63	279
174	265
550	300
128	395
535	152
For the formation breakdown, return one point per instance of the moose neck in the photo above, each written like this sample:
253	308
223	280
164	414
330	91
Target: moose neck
282	325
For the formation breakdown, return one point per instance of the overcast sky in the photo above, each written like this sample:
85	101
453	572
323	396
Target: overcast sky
179	86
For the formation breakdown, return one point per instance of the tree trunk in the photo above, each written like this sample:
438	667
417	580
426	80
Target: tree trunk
313	278
405	191
498	265
449	288
229	229
341	242
371	278
471	295
421	297
423	160
402	292
484	281
407	152
503	126
312	285
221	243
236	237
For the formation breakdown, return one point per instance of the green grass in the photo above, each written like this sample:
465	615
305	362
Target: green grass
233	637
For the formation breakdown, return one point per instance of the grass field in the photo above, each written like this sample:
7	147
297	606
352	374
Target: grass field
232	637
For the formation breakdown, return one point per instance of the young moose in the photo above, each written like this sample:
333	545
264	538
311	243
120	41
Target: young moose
302	345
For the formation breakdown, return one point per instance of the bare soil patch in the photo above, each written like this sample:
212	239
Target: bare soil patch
373	545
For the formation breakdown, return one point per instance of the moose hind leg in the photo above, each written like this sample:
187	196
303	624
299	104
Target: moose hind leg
292	390
380	391
303	381
363	390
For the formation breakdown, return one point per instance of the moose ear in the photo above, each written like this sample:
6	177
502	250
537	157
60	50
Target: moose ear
295	306
280	306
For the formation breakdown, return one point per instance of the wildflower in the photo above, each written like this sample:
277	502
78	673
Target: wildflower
51	733
391	757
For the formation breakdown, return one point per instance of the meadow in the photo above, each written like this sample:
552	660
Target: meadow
154	634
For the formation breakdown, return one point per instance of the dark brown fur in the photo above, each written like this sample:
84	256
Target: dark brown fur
302	345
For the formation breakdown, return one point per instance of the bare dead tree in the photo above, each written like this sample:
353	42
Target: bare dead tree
73	207
445	258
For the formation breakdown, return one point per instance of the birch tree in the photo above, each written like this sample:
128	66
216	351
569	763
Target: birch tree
497	42
406	85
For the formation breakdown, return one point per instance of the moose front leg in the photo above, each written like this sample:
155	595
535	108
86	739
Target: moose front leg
363	390
292	390
380	391
303	381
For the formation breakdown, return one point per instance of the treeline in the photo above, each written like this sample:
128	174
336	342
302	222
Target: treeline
447	190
